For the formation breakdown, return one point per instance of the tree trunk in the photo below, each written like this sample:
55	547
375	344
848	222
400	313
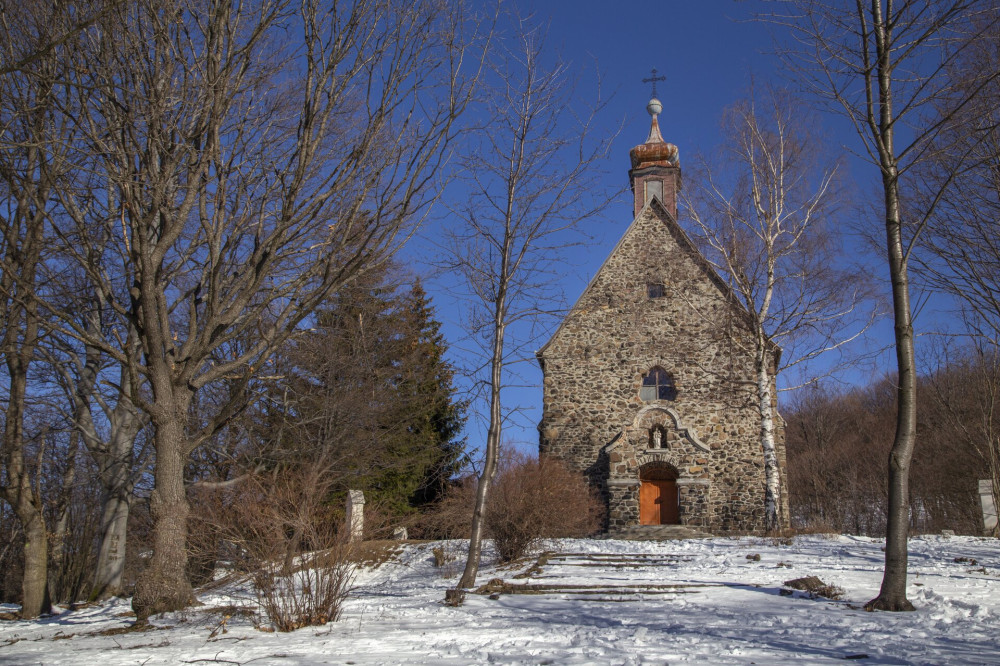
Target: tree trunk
291	550
111	554
489	468
772	485
116	462
34	587
164	585
892	595
57	554
20	493
58	590
492	436
115	458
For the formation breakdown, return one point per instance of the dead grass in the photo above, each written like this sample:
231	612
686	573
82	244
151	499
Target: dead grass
500	586
375	553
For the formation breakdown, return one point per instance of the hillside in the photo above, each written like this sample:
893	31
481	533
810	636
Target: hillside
584	602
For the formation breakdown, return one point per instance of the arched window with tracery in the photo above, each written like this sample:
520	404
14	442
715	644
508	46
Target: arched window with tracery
657	384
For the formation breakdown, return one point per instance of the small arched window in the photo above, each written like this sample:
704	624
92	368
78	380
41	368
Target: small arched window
657	385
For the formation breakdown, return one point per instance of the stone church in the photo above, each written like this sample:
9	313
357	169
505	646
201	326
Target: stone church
647	388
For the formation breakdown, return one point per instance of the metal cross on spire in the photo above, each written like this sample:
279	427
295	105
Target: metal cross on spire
653	79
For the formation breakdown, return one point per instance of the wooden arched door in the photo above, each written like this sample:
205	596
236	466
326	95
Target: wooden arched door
658	498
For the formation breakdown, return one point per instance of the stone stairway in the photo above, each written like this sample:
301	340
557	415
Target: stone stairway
657	533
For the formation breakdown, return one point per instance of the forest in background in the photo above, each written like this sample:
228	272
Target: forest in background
838	439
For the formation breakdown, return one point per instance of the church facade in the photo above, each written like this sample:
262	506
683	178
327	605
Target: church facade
648	389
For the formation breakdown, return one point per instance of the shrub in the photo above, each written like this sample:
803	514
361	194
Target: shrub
531	499
290	544
311	594
451	516
535	499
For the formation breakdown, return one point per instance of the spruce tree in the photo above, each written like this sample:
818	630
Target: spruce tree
441	416
368	395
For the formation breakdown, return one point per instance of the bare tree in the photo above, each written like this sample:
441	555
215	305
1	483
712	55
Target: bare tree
32	159
962	243
762	212
248	160
76	18
110	436
883	65
837	439
966	392
529	171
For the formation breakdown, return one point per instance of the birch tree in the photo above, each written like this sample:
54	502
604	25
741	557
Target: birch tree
763	211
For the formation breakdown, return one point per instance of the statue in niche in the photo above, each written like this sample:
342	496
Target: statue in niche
656	441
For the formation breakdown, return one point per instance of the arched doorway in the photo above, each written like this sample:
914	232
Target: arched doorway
658	499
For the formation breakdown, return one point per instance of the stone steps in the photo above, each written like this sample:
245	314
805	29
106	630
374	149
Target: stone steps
657	533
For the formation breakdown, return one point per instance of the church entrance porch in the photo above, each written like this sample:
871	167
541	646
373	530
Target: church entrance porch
658	498
658	473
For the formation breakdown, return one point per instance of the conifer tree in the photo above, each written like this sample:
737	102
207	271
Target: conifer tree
438	417
369	396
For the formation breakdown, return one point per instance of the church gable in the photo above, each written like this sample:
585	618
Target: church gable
653	270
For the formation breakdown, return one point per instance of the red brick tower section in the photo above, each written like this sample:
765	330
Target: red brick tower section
655	168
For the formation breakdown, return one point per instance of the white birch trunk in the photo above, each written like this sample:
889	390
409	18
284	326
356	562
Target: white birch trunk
772	477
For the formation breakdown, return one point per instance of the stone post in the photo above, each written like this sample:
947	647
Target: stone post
989	507
355	515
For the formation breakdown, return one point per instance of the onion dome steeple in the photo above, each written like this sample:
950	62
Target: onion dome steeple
655	164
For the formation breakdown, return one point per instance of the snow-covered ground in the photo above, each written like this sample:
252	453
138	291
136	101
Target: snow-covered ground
595	602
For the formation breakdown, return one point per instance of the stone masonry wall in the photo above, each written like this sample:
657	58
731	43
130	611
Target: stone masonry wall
593	366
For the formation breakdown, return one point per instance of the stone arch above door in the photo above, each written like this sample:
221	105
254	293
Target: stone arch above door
658	470
650	419
634	458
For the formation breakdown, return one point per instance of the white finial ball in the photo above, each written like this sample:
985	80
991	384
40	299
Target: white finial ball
654	107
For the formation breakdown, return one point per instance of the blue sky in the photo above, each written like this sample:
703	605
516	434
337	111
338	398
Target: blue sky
707	51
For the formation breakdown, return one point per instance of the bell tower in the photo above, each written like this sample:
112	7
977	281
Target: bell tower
656	170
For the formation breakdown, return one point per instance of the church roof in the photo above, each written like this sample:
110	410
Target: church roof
657	152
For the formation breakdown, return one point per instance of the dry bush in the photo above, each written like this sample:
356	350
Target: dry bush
289	542
11	556
531	499
138	545
837	442
817	526
535	499
312	594
451	516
